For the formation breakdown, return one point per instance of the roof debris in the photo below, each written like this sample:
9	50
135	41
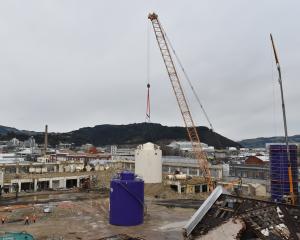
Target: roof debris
263	219
120	237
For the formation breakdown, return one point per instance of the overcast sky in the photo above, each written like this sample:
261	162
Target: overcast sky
73	64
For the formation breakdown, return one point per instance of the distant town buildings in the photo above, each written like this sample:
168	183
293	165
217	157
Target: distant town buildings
73	156
186	146
66	165
122	153
254	167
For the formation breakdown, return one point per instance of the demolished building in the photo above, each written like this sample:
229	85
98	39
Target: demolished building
233	217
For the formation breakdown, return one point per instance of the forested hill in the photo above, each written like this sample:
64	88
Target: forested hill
261	141
128	134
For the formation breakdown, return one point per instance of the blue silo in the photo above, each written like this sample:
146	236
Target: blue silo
126	200
279	170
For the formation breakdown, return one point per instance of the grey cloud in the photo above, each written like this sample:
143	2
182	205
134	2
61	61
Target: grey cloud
72	64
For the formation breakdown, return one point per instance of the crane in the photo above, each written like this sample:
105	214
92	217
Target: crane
290	175
181	100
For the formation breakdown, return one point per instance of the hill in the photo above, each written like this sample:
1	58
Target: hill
261	141
128	134
7	130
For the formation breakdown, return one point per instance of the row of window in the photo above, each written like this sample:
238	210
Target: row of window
250	174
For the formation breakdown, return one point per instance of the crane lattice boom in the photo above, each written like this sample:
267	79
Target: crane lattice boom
181	100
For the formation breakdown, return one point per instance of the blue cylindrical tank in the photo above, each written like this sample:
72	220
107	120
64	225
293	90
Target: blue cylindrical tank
126	200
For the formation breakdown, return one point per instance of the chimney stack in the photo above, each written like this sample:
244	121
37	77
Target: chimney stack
46	139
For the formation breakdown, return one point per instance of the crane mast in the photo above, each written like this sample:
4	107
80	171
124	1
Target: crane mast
181	100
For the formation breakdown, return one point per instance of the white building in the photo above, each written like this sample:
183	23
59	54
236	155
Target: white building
10	158
113	149
148	163
30	143
14	142
1	179
186	146
122	153
225	167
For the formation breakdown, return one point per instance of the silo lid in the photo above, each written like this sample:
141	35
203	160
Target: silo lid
126	175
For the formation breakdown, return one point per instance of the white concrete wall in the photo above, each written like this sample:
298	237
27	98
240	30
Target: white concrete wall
148	163
57	182
225	170
1	178
258	190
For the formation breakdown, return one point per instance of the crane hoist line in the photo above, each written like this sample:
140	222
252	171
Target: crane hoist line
181	100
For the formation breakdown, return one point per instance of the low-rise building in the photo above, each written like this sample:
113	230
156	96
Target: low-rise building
186	146
118	154
172	164
10	158
63	169
73	156
35	176
254	170
254	167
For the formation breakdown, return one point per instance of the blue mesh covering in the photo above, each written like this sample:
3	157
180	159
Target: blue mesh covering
279	170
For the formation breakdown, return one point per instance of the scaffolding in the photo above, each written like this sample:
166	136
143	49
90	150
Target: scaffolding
279	176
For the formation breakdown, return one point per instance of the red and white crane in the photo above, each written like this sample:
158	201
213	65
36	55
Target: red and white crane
181	100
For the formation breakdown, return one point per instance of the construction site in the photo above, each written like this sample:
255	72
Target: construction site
85	215
65	194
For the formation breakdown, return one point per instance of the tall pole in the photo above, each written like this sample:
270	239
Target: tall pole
285	124
46	140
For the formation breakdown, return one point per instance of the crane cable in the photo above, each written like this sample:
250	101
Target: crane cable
192	87
148	112
189	81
